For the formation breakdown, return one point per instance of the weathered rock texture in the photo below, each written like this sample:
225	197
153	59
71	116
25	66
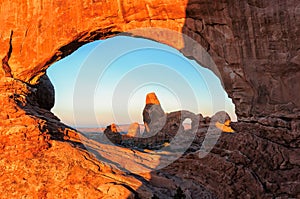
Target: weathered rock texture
167	128
42	158
243	165
163	132
255	45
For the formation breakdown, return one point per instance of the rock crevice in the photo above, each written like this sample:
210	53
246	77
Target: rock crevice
5	65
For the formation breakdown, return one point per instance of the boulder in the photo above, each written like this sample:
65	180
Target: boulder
45	93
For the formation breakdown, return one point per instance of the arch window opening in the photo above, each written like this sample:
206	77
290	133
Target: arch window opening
106	81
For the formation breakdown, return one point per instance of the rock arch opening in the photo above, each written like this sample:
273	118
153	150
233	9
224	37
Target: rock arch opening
187	124
254	45
130	68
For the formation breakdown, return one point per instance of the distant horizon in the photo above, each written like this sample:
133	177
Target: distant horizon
79	127
132	67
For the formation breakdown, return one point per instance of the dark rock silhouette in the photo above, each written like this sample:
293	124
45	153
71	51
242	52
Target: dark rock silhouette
153	115
45	93
112	133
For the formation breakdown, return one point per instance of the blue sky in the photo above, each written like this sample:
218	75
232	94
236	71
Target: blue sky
107	81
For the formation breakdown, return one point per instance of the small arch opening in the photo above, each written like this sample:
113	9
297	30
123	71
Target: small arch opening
187	124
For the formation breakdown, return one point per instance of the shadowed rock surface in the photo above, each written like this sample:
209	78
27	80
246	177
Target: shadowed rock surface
255	46
45	93
112	133
153	115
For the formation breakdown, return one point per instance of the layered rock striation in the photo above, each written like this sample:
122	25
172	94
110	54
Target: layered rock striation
254	45
43	158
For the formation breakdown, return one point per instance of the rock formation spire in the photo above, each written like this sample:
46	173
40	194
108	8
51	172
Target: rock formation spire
153	115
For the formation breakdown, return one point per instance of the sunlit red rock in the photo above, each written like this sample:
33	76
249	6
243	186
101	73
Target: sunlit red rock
255	48
257	72
114	128
151	98
224	127
222	121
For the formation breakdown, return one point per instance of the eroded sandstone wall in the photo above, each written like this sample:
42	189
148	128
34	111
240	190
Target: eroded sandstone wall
42	32
254	44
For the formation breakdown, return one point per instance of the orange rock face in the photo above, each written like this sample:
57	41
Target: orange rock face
151	98
255	48
114	128
27	28
250	66
42	158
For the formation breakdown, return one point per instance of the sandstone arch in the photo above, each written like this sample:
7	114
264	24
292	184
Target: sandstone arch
178	117
244	40
255	45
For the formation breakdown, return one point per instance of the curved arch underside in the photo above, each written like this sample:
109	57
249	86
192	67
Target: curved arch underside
256	54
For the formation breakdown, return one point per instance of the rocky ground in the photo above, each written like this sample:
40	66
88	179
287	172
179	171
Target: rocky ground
42	158
244	164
